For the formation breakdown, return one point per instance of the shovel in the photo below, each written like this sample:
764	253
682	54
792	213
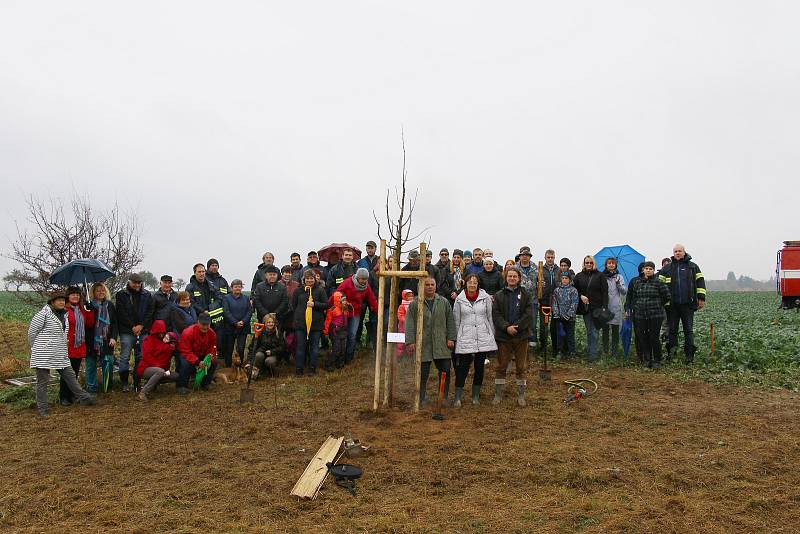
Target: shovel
247	395
438	415
544	372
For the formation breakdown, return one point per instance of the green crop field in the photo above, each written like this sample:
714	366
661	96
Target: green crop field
12	308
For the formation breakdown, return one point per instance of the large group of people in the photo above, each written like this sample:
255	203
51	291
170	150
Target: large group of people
473	308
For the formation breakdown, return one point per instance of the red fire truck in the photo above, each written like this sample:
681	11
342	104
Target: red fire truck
788	274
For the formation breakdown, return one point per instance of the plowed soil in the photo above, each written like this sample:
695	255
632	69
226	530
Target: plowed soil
645	454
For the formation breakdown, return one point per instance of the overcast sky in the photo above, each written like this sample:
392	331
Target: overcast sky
239	127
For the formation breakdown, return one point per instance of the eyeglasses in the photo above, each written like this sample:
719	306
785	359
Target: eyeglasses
588	263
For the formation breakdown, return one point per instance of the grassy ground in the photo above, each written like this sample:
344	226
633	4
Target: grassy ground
665	452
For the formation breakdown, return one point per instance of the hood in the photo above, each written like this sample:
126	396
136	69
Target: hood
194	280
338	297
686	259
213	275
407	295
159	327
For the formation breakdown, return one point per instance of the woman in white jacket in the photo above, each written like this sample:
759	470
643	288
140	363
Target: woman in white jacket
47	335
475	339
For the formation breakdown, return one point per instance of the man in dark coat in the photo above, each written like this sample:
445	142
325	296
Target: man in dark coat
341	271
134	306
271	296
687	288
267	259
163	299
512	315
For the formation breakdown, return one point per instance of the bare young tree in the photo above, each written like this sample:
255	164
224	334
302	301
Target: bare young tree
58	233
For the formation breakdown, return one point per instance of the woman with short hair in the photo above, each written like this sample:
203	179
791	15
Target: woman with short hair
472	312
183	315
491	278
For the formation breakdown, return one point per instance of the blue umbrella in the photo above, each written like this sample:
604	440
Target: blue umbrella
81	271
628	260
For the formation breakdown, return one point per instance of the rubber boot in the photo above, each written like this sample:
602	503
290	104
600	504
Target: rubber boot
499	385
521	393
457	400
123	379
476	395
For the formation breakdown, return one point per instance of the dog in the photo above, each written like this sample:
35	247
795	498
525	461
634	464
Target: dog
231	375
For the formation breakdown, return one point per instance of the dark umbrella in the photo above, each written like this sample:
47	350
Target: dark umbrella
81	271
625	334
337	248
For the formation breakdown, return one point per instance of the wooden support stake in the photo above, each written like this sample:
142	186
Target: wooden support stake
420	325
405	274
379	335
312	478
391	360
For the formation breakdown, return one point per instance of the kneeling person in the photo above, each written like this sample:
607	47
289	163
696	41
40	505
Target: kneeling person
157	350
197	342
268	347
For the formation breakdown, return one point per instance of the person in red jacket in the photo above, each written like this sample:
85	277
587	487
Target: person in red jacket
356	290
197	341
81	321
157	350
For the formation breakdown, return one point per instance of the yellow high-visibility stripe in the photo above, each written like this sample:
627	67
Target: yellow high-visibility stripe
701	291
223	290
197	293
217	311
664	279
698	276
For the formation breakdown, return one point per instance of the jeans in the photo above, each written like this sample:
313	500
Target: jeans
127	342
682	314
462	365
313	341
187	371
566	343
591	337
234	340
90	373
352	329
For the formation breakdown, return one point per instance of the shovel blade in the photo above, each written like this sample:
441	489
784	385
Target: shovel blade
247	396
545	375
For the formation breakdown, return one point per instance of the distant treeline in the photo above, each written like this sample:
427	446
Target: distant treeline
742	283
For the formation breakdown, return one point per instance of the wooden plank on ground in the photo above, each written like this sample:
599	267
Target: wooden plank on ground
312	478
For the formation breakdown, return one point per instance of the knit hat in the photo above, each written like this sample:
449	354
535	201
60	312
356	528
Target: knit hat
362	273
458	252
428	252
444	250
211	262
467	253
271	269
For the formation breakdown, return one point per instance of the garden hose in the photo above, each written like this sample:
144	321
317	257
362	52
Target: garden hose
579	388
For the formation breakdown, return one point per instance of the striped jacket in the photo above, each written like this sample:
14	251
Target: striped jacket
48	340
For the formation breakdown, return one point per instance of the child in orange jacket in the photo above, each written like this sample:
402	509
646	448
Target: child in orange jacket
336	322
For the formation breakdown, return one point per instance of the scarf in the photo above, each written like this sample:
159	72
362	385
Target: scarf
610	272
101	326
472	297
80	328
359	287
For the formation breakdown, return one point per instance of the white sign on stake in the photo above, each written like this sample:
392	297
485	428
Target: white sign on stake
396	337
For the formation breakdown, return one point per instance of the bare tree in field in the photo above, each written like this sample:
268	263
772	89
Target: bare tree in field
57	233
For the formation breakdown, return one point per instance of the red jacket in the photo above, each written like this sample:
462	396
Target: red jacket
156	353
88	322
356	297
195	345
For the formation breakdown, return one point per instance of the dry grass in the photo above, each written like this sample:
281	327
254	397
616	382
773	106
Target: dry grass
646	454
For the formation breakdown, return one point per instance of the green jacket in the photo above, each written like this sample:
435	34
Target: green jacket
438	328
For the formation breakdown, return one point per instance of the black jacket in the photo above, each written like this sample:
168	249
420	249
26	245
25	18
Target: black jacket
219	282
412	283
445	284
181	319
338	274
500	315
491	282
298	307
258	277
133	309
697	283
551	279
647	298
206	297
162	306
592	284
271	298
